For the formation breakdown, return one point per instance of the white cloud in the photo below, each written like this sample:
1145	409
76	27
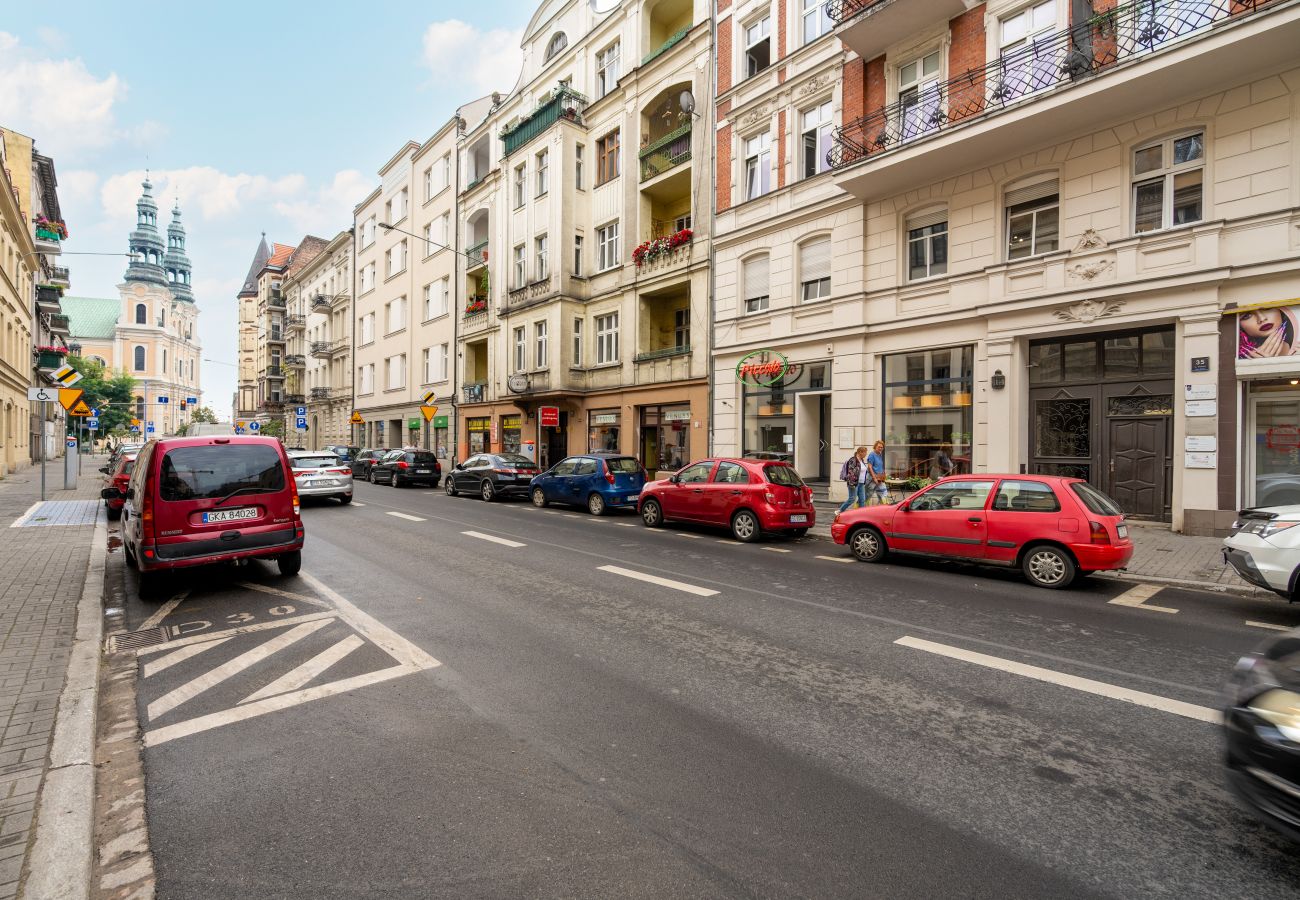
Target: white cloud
203	191
476	61
329	209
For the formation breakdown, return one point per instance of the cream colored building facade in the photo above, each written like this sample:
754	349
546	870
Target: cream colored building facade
318	331
17	286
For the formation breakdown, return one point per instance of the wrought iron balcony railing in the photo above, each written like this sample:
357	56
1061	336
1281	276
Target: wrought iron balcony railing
669	151
1053	62
666	45
320	393
563	102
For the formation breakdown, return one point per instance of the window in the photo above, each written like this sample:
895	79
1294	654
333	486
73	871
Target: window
367	277
395	315
815	270
577	254
141	314
540	356
539	245
428	183
139	359
607	338
928	412
919	96
521	349
396	377
927	244
427	359
397	258
816	136
682	328
542	172
754	272
758	46
1167	183
758	165
607	157
366	379
697	473
577	166
367	328
428	240
1026	496
441	356
1032	219
442	230
557	43
577	342
368	232
816	20
1028	65
957	497
521	266
397	206
521	184
682	223
607	247
435	299
607	69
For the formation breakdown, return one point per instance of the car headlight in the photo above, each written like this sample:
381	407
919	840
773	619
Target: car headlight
1281	709
1273	526
1251	677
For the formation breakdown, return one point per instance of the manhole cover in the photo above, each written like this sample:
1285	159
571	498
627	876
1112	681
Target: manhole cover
134	640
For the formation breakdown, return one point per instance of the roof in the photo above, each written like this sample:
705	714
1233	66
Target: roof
94	318
262	254
279	256
308	249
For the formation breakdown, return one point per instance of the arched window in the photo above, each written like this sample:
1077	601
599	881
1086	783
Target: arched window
139	359
162	318
558	42
139	404
141	314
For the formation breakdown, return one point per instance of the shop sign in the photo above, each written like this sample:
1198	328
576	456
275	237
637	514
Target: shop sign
412	424
439	421
512	421
1282	437
677	415
1199	460
1199	408
1267	332
604	419
549	416
1194	443
1199	392
762	368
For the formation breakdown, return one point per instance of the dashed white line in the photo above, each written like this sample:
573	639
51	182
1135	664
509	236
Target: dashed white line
626	524
732	543
843	559
662	582
496	540
777	549
694	537
1136	597
1268	625
1087	685
357	503
405	516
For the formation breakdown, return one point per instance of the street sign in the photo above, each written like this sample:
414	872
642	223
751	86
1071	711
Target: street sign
95	413
549	416
356	418
254	426
135	428
80	408
68	397
429	397
163	400
72	443
42	394
300	411
92	423
240	426
300	423
428	412
135	423
148	429
192	401
65	375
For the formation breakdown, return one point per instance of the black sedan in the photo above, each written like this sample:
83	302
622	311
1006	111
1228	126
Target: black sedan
492	475
402	468
1263	728
363	461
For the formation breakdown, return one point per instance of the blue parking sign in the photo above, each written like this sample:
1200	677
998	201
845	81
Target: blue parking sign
301	423
192	401
300	411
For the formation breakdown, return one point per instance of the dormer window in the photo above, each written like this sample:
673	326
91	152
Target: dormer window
557	43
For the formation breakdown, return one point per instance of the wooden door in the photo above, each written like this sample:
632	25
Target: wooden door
1137	461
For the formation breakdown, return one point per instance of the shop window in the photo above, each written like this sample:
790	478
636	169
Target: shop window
479	429
754	274
603	431
1033	219
1167	183
665	439
927	244
511	434
928	411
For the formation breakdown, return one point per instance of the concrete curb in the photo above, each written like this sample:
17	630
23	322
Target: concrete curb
59	865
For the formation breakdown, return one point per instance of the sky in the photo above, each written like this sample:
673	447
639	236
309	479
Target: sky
267	116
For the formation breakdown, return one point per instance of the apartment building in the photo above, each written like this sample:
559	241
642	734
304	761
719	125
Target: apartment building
246	399
18	268
1063	239
263	336
583	205
318	327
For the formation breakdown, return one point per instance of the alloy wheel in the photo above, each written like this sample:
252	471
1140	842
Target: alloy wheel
487	491
1048	567
596	505
744	526
539	498
651	514
867	545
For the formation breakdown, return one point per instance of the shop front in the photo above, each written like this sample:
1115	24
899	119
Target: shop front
786	412
479	430
1267	339
512	434
665	438
603	430
929	412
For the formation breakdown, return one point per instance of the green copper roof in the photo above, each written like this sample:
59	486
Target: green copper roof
91	317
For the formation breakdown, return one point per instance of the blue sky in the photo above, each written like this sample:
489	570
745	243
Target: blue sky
260	116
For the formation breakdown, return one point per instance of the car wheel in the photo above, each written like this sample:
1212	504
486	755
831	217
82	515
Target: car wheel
370	476
745	527
651	514
539	498
113	514
394	481
487	491
868	545
289	563
596	505
345	499
1048	567
450	487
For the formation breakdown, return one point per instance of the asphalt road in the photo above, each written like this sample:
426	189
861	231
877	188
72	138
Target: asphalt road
514	712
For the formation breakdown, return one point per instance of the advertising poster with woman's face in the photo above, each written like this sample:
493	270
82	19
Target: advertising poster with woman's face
1265	333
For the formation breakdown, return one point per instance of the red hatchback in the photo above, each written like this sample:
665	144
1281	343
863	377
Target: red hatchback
751	496
117	479
1053	529
193	501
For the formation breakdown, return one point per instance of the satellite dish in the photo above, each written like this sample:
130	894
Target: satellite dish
600	7
686	100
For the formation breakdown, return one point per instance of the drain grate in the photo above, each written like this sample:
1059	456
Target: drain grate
134	640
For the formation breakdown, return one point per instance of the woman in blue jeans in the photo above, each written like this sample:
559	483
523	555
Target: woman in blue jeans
855	478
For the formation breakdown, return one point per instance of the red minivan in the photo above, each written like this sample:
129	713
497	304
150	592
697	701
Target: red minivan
193	501
751	496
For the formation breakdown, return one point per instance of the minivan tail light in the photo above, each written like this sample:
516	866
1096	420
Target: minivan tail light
609	473
146	509
1099	533
297	506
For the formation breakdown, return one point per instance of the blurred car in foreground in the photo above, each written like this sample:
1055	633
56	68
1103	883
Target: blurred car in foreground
492	476
404	468
597	481
321	474
1264	548
751	497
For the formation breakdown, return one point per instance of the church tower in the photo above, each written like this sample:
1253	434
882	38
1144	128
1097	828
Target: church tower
146	243
175	261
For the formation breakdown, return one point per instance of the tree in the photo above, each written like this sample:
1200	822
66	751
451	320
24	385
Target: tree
112	393
273	428
204	414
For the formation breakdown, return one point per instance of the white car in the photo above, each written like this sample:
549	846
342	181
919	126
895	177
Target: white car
1264	548
319	473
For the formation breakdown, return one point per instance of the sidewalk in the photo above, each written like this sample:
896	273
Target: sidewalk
45	555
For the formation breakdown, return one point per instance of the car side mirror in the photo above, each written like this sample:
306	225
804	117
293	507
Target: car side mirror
674	479
110	494
905	507
104	469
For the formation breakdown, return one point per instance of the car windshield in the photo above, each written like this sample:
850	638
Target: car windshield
202	473
129	466
783	475
515	459
1095	500
623	465
314	462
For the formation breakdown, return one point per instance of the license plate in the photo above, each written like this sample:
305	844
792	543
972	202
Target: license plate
424	471
632	498
798	518
1122	530
230	515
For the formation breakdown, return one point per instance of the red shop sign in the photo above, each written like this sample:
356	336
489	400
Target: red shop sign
1282	437
549	416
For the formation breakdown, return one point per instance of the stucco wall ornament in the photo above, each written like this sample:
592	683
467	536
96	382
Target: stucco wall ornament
816	83
1089	271
755	116
1089	310
1090	240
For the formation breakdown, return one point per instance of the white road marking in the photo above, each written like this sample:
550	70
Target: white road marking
396	646
626	524
301	676
694	537
205	637
406	517
777	549
843	559
732	543
1087	685
357	503
662	582
496	540
208	680
572	516
1267	625
162	611
267	589
1138	596
179	656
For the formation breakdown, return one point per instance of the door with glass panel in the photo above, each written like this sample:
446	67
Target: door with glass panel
1029	58
919	97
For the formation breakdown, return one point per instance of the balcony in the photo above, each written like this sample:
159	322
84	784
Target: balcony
668	152
340	346
273	372
662	255
561	103
530	292
275	300
868	27
320	393
273	405
295	322
476	256
275	336
295	361
673	41
474	392
295	399
320	303
47	245
1121	63
59	277
48	298
668	364
59	325
320	349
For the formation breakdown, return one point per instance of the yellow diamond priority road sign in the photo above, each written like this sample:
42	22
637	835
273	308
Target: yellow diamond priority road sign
429	397
65	375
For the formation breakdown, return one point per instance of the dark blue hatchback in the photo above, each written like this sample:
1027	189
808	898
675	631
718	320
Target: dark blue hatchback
596	481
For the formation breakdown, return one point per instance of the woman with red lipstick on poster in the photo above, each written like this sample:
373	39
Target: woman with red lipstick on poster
1264	333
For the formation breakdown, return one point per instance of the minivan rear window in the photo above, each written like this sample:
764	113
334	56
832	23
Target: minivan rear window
783	475
212	472
1095	500
421	459
623	465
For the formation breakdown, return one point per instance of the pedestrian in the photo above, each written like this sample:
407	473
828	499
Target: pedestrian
943	463
876	470
854	475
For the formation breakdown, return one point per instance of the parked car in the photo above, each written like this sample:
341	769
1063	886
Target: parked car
193	501
1264	547
117	475
492	475
750	496
132	447
346	454
1262	723
1054	529
402	468
365	459
598	481
320	474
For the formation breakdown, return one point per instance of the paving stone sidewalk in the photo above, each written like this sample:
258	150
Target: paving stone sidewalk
43	575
